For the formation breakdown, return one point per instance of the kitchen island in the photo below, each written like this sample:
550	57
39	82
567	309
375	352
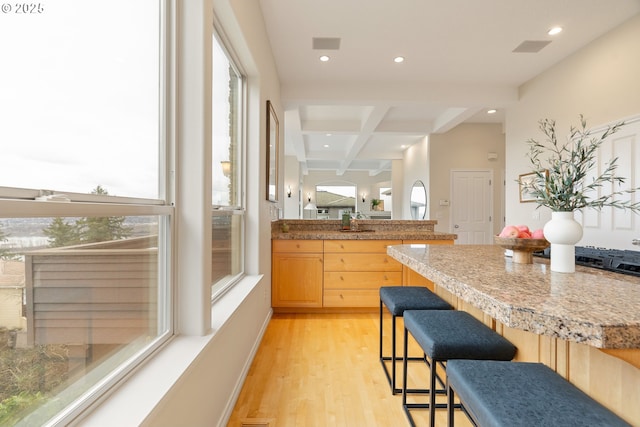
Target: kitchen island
585	325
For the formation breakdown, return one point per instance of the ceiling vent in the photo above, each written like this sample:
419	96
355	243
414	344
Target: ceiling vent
531	46
326	43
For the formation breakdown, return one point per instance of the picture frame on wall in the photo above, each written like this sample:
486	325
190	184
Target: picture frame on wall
524	181
273	137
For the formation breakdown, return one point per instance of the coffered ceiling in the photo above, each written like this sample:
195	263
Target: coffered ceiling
359	110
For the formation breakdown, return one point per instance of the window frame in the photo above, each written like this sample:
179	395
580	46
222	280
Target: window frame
219	288
33	203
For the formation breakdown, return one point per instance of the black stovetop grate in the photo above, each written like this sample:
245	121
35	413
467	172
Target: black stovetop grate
616	260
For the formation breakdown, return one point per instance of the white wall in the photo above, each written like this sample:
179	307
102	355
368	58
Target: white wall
415	167
600	81
292	208
397	183
465	147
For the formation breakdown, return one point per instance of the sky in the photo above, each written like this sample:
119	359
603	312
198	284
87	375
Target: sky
79	102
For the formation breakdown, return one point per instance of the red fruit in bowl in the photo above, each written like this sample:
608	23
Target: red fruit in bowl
524	235
509	231
538	234
523	228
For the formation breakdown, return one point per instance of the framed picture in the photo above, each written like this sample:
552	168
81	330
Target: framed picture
273	137
525	181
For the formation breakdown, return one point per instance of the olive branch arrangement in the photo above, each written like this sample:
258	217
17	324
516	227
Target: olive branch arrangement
560	179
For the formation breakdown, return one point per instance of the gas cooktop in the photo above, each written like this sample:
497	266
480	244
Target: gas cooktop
616	260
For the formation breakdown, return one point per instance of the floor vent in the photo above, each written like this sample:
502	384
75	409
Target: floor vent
256	423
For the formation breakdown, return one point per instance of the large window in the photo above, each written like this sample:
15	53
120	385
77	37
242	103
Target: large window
227	218
85	250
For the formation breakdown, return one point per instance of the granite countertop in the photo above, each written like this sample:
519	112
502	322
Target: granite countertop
363	235
590	306
368	229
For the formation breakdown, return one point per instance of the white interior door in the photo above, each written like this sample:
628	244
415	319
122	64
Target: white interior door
471	203
615	228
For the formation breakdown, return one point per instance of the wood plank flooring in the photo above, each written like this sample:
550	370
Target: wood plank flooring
323	370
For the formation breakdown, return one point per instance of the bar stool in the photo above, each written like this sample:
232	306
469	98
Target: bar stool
397	299
445	335
521	394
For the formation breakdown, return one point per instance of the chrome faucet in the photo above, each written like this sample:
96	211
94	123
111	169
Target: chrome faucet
635	242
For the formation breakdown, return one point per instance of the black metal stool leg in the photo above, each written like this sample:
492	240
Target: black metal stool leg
432	396
450	420
404	379
380	347
393	354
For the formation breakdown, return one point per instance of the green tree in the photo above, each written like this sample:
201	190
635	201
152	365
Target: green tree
61	233
101	229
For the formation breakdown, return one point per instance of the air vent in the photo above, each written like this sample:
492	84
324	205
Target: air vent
326	43
531	46
255	424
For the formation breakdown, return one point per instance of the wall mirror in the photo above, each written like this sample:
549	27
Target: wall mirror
272	153
334	199
418	200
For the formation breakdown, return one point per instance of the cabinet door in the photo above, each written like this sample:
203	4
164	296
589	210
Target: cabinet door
297	280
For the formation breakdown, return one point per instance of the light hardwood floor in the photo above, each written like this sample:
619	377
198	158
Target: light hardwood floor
323	370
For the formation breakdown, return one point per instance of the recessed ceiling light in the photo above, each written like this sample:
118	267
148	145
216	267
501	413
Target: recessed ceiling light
403	146
398	59
492	111
555	30
324	58
326	145
328	134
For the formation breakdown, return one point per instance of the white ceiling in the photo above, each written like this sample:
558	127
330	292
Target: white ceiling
358	110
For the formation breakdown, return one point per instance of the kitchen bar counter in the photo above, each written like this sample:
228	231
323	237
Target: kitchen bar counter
583	325
590	306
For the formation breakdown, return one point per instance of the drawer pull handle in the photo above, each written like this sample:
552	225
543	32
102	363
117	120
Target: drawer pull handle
341	246
341	278
386	278
341	260
298	246
341	297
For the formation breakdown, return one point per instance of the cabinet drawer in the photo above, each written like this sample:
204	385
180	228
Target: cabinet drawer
368	246
361	280
360	262
351	298
297	245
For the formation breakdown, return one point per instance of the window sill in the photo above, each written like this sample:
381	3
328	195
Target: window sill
135	399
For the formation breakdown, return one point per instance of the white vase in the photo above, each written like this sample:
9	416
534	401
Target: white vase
563	232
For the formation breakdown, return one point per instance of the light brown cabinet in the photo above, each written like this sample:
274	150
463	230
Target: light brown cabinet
297	273
337	274
354	271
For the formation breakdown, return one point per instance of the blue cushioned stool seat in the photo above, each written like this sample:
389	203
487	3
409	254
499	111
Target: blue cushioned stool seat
446	335
512	394
397	299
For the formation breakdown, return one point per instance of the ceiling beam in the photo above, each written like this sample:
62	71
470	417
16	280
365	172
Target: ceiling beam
293	132
372	118
451	118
